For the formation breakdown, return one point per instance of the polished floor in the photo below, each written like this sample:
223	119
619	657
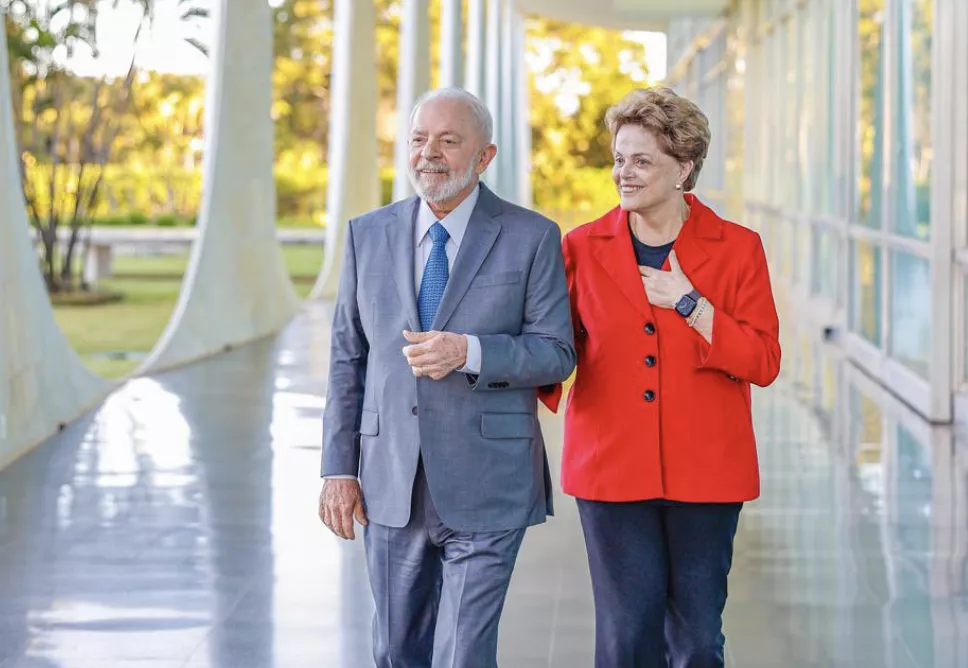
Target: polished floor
176	527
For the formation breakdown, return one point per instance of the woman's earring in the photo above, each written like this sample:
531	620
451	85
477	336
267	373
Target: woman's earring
678	186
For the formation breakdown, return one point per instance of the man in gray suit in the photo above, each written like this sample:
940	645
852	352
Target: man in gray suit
452	310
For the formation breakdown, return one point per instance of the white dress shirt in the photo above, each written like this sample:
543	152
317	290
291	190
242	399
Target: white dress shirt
455	223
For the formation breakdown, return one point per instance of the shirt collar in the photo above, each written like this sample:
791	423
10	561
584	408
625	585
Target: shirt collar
454	222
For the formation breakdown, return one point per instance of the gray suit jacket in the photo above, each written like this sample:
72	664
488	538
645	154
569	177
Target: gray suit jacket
479	437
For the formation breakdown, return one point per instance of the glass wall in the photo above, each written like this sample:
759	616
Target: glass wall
840	113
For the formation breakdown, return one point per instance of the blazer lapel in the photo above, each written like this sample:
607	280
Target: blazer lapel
615	253
399	237
689	250
482	232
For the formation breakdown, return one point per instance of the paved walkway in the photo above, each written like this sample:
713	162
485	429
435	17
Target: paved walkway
176	527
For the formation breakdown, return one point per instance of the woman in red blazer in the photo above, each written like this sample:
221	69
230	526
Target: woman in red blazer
674	320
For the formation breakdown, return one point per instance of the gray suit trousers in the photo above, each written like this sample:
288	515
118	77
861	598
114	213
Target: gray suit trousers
439	593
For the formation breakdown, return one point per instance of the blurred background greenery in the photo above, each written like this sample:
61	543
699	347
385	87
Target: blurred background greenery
124	148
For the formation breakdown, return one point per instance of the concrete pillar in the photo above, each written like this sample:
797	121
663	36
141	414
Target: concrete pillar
354	182
451	43
413	80
507	173
237	288
474	77
43	383
493	87
522	116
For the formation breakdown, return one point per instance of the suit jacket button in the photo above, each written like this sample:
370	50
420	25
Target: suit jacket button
649	395
413	411
650	360
649	328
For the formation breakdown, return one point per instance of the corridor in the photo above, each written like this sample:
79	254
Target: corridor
176	527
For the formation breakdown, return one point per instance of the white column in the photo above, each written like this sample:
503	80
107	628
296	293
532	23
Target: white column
354	182
413	80
451	43
43	383
507	174
474	76
492	93
237	288
522	116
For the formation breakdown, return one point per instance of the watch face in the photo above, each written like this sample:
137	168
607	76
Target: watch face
685	306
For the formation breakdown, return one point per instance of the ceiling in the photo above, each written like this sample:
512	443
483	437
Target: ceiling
622	14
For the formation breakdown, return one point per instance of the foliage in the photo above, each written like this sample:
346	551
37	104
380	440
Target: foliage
66	126
144	161
577	73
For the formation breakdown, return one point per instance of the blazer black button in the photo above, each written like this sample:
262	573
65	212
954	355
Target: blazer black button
649	328
649	395
650	360
413	411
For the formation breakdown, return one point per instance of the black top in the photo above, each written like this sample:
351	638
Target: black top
650	256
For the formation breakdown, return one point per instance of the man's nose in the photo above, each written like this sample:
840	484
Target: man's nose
431	149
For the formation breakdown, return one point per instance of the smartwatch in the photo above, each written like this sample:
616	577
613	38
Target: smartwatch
687	303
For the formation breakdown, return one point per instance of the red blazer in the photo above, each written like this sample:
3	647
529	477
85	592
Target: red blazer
694	440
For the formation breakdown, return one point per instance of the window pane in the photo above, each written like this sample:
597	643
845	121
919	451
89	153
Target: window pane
791	96
866	293
832	50
802	242
914	129
778	129
809	137
824	262
911	312
870	26
787	259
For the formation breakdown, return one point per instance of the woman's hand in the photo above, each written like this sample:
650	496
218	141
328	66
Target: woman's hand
665	288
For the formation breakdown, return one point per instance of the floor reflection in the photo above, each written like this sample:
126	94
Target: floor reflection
175	526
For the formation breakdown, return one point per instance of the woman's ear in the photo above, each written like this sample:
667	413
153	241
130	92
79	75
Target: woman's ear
685	169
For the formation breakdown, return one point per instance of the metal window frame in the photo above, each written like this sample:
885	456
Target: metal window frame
764	200
932	396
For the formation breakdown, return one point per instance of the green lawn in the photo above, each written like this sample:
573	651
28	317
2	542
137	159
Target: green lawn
150	286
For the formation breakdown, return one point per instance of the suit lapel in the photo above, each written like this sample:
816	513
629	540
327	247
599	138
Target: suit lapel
399	237
482	232
688	248
615	253
617	257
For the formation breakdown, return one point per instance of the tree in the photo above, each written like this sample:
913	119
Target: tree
576	74
67	126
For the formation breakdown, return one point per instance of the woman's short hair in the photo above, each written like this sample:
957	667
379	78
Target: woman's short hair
679	125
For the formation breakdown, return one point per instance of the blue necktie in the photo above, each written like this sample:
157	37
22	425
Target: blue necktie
434	279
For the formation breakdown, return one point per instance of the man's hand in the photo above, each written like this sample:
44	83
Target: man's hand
340	502
665	288
435	354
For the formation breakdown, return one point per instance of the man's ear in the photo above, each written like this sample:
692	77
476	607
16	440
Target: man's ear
487	155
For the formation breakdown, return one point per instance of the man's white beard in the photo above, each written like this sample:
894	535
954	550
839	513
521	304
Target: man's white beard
452	186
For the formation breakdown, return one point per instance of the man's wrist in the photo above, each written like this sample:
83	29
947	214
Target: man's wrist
472	355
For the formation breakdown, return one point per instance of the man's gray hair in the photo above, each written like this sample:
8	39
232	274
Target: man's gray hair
485	124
